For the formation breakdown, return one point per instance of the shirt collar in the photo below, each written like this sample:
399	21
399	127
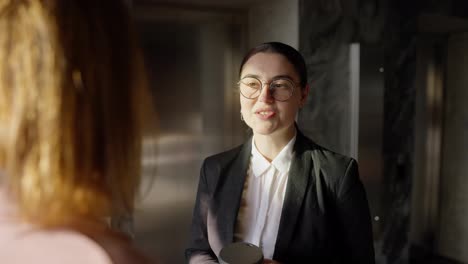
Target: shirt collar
281	162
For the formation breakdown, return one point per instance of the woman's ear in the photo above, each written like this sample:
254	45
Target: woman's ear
304	94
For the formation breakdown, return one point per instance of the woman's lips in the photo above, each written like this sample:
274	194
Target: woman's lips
265	114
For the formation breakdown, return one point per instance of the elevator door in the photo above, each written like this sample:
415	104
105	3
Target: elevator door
191	64
453	221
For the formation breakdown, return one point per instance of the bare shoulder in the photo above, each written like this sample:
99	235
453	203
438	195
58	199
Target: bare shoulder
70	246
53	246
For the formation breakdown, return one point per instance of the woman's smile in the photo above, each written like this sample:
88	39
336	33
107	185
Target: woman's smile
265	114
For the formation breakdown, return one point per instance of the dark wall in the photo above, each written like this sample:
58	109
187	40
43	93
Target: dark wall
326	30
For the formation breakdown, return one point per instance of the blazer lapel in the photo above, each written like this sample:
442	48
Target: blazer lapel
297	184
230	193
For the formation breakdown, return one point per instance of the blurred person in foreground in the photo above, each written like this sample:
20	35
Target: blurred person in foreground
72	103
297	201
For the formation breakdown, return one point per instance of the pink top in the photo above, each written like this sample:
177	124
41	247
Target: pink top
24	243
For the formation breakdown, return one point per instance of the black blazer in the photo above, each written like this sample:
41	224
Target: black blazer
325	217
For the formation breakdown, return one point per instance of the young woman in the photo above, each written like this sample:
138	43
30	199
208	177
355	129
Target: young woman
298	201
71	117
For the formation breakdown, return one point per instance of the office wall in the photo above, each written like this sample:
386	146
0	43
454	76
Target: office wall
276	20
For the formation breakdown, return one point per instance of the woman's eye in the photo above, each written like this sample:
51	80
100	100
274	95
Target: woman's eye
278	85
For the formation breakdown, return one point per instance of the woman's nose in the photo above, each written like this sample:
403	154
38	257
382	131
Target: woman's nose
266	94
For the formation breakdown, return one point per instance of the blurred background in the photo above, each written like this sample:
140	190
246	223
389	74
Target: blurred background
388	87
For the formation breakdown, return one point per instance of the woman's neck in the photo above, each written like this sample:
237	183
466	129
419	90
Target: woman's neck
271	145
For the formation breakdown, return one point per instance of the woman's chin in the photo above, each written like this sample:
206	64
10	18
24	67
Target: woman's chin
273	130
264	130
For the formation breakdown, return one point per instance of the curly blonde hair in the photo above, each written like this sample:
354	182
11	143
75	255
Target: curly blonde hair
72	103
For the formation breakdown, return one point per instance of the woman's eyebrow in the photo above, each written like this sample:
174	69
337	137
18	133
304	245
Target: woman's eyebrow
282	76
251	75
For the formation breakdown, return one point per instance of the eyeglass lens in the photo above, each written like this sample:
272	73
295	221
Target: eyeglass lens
280	89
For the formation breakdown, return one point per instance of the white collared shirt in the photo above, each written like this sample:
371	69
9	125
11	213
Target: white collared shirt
262	199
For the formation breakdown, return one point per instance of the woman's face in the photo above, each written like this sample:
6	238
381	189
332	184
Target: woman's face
265	115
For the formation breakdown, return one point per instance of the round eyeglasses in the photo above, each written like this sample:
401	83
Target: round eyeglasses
281	89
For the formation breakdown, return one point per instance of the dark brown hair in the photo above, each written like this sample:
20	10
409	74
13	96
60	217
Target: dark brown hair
290	53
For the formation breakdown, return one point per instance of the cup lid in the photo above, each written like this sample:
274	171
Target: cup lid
241	253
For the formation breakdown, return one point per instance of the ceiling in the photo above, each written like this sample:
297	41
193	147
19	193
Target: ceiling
204	3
